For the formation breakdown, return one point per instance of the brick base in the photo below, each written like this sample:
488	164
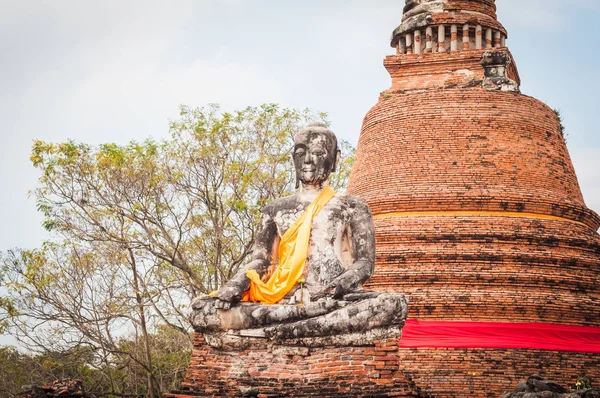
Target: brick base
445	373
366	371
378	370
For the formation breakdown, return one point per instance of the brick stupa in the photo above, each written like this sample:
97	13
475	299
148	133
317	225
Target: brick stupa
479	215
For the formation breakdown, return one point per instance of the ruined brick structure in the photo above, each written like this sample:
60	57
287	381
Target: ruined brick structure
478	216
372	370
478	213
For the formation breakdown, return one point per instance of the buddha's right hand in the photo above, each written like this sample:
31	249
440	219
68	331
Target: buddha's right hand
227	297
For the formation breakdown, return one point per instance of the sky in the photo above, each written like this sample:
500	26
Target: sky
115	71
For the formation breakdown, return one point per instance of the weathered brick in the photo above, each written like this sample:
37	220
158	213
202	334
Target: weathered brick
321	373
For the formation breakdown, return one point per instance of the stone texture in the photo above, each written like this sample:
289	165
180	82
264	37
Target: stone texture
496	66
311	324
537	387
239	340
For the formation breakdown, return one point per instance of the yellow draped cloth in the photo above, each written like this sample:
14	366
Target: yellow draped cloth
292	253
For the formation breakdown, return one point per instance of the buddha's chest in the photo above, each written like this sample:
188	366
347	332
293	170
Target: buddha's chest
329	252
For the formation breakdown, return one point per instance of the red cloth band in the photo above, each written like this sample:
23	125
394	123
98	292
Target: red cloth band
538	336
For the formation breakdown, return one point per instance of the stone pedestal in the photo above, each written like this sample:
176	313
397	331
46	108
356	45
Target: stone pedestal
369	370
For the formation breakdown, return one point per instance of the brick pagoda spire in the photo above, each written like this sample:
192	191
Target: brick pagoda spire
479	215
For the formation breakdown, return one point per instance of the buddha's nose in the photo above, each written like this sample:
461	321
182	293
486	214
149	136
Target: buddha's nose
307	158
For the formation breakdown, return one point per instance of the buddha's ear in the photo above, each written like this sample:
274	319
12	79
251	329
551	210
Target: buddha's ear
338	154
295	172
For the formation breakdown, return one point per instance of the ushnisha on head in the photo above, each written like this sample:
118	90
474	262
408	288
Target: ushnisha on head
316	154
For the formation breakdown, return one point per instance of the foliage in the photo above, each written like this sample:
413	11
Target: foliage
171	356
171	351
583	383
18	369
562	128
139	229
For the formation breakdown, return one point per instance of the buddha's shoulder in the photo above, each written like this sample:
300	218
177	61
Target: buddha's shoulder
286	203
353	202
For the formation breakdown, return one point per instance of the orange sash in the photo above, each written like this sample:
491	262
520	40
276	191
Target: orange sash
293	250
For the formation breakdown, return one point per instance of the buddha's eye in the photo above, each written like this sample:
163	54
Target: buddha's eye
318	153
299	153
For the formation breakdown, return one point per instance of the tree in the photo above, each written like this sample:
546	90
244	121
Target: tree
139	229
18	369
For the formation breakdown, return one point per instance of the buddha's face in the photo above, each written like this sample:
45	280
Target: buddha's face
315	155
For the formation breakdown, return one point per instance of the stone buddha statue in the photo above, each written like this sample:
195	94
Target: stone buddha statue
313	251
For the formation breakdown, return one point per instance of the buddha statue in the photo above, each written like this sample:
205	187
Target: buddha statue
312	253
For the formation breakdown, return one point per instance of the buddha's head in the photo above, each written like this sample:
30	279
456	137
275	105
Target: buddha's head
315	155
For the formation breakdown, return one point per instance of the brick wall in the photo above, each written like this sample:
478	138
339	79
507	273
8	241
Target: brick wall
409	72
487	7
439	70
465	149
490	268
451	373
369	371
